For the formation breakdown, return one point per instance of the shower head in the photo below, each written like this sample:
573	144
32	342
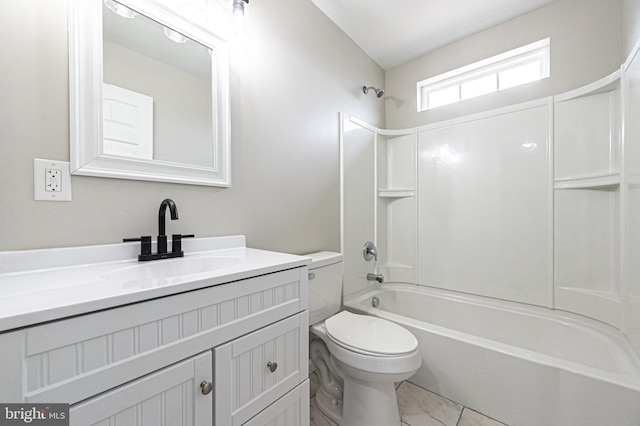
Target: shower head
379	92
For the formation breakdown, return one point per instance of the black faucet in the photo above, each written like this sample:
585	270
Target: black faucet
176	239
162	237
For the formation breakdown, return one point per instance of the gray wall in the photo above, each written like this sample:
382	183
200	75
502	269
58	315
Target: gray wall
586	44
630	24
287	86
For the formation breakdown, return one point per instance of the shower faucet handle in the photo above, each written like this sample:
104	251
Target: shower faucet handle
370	252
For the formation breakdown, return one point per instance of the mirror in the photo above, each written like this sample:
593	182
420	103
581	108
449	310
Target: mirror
149	96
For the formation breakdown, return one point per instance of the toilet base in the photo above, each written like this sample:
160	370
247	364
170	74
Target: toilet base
367	404
329	406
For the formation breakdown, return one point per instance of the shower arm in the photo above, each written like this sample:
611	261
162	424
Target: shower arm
379	92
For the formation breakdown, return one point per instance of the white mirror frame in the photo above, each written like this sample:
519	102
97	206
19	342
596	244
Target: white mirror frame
85	101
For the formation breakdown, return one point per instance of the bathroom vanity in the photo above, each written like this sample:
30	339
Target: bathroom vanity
217	337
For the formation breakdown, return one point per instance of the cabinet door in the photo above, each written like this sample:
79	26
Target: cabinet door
171	396
290	410
254	371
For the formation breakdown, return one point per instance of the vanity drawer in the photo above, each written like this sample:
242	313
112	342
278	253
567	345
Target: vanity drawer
246	380
72	359
171	396
291	409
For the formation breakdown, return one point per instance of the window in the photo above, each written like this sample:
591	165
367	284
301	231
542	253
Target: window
513	68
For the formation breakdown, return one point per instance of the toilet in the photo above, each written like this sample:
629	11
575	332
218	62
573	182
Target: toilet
359	358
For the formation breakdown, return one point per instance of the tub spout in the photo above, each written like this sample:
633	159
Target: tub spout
375	277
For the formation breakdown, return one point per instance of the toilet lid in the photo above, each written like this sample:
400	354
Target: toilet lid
369	335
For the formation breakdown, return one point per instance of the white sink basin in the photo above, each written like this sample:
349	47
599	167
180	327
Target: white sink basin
170	268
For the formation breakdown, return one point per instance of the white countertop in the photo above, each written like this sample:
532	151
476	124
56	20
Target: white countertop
44	285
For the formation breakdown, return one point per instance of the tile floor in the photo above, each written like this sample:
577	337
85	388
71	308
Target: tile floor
418	407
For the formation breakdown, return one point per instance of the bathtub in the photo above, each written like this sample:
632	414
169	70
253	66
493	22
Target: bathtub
520	364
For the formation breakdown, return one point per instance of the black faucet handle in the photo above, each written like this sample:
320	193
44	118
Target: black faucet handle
176	242
145	243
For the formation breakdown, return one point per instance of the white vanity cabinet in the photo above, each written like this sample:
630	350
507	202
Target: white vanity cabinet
144	363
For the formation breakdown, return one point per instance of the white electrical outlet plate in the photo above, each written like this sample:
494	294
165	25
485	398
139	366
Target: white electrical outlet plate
51	180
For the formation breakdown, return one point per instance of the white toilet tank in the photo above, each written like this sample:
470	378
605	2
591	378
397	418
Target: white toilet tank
325	285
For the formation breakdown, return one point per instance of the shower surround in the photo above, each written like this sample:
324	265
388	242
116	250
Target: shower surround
533	205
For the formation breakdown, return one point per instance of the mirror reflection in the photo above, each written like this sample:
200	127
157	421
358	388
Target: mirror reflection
157	91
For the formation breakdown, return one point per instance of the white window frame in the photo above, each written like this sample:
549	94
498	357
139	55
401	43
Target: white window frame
531	53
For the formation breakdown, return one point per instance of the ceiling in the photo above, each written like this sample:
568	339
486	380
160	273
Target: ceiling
393	32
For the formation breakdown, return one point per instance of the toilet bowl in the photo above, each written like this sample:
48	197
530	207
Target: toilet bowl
359	358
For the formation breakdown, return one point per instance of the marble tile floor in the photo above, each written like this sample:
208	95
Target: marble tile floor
418	407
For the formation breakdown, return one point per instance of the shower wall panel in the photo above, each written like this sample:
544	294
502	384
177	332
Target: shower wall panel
631	292
587	194
484	204
358	200
397	225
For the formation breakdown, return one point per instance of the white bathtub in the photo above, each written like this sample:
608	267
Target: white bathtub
520	364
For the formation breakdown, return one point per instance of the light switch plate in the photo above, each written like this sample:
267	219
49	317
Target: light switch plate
51	180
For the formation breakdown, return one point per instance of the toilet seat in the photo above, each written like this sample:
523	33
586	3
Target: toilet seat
370	335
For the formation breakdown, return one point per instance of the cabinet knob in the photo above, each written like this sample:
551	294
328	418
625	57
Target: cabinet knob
206	387
272	366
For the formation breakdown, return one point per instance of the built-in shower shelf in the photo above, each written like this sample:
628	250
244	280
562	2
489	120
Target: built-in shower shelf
595	180
604	85
396	192
392	265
